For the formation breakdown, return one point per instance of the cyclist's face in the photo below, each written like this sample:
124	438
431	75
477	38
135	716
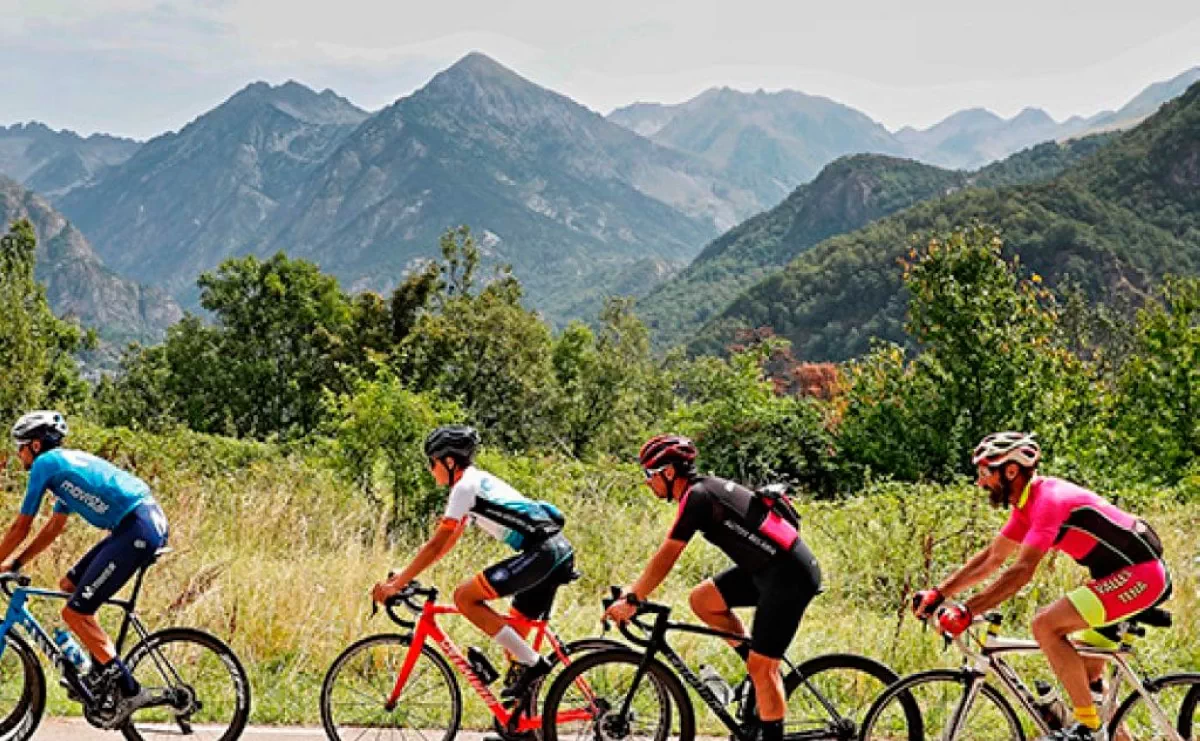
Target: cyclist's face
657	481
25	454
441	474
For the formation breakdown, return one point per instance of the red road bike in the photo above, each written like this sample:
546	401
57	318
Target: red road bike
398	685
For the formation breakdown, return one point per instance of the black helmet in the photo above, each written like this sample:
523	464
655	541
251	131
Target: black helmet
458	441
49	427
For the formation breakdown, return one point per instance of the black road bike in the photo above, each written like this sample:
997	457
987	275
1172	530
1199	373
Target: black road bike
827	695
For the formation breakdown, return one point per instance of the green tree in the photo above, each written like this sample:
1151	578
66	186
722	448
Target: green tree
991	356
609	386
1158	407
36	348
747	431
378	428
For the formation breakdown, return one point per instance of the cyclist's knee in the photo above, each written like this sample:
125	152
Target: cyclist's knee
1047	625
66	585
467	595
762	667
706	599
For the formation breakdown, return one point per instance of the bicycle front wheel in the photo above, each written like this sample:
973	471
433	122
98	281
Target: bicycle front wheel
948	705
828	696
1177	695
205	687
354	696
595	697
22	690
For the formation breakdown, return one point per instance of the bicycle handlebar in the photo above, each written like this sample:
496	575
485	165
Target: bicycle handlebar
406	597
8	577
643	608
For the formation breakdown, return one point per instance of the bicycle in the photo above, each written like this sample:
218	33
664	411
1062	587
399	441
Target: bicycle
824	693
980	710
177	707
401	683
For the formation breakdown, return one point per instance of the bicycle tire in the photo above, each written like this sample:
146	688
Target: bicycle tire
817	709
23	720
1185	719
200	712
879	713
571	648
657	672
381	686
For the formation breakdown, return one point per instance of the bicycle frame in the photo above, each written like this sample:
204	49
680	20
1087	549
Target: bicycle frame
428	629
18	615
657	644
989	659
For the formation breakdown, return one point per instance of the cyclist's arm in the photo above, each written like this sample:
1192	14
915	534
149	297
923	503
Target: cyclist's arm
51	530
438	545
1009	582
659	566
17	532
982	565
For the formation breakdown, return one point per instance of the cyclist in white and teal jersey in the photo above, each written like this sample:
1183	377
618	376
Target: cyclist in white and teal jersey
107	498
544	562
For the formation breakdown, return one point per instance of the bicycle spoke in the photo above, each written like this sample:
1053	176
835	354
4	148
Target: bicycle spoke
1181	713
939	700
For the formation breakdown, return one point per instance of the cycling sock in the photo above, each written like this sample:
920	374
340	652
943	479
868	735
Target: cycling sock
516	645
1088	716
771	730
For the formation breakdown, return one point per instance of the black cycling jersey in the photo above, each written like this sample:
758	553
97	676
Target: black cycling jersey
714	507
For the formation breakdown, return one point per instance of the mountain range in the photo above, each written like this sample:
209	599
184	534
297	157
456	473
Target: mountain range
78	283
1112	222
580	205
779	140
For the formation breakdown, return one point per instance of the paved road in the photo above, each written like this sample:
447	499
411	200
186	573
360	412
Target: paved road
60	729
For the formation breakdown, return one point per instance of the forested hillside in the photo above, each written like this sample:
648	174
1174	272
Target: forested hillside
846	195
1113	224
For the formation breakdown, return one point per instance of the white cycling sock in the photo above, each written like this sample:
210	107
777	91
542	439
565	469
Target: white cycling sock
516	645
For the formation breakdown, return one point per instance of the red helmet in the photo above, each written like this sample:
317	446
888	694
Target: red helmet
663	449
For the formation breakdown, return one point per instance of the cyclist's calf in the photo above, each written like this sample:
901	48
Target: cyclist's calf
768	686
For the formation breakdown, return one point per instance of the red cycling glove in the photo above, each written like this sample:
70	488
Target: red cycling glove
954	618
926	601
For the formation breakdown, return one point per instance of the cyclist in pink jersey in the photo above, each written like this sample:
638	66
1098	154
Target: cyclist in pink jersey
1121	552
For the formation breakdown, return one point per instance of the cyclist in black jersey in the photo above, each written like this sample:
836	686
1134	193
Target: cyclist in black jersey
774	571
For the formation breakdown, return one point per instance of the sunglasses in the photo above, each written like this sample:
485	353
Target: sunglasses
652	472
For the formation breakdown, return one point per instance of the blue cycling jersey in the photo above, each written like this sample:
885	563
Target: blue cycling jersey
97	490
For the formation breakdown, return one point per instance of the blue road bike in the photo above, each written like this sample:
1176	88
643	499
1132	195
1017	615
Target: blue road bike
197	685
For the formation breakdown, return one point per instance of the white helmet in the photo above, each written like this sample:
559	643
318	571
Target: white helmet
47	426
1004	447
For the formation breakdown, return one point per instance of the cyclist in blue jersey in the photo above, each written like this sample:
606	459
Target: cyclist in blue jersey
544	562
107	498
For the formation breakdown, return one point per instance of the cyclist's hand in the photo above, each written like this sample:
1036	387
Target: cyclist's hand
621	611
926	602
953	619
385	589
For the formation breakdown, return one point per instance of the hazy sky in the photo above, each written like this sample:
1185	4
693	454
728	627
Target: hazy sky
140	67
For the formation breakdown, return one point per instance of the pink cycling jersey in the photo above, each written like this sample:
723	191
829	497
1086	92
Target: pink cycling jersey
1053	513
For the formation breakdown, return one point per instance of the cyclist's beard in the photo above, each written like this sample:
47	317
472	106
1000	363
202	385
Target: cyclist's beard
998	497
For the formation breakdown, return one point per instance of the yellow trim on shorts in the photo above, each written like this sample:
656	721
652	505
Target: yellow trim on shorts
1089	606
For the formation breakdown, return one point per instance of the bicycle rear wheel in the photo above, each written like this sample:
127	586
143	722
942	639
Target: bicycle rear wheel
588	700
1178	695
208	689
828	696
357	687
949	705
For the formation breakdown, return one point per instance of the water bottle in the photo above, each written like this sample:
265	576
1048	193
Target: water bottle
716	684
72	651
1049	705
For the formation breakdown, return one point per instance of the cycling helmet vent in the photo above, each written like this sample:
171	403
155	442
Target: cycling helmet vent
50	427
1004	447
663	449
460	441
